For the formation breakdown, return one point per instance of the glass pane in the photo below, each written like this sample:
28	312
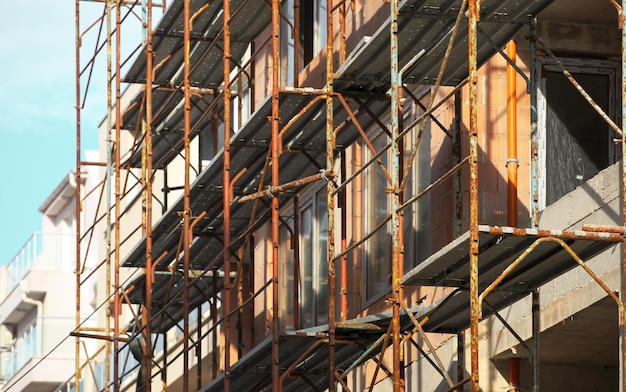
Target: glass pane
378	248
287	47
285	255
322	261
306	268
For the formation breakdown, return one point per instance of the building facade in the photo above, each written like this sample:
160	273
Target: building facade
38	285
361	196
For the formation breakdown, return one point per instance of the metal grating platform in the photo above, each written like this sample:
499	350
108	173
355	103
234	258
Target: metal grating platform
253	372
248	19
426	25
449	267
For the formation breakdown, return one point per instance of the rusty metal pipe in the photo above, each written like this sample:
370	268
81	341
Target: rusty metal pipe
301	358
603	228
622	328
569	250
397	253
330	199
273	191
562	234
227	198
275	234
431	347
187	185
475	314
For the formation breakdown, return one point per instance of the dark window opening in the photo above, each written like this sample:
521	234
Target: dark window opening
577	137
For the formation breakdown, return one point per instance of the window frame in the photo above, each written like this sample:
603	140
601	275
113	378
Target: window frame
575	66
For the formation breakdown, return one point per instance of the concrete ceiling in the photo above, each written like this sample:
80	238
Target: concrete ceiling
589	336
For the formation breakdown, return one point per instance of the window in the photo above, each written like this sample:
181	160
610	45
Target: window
313	264
287	44
575	143
286	257
313	261
26	346
312	40
210	143
378	208
378	203
313	28
417	226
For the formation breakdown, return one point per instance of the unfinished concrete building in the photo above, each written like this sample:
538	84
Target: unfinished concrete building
318	195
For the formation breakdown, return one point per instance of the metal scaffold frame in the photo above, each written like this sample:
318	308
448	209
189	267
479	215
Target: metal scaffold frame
220	279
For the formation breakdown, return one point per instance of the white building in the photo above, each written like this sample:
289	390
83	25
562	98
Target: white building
37	287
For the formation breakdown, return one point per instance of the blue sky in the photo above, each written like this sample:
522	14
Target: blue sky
37	99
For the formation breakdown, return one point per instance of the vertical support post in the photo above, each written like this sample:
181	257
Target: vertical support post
214	334
165	363
475	312
276	387
534	143
536	329
199	349
118	131
147	126
77	207
460	356
227	198
330	199
186	188
397	251
110	147
622	19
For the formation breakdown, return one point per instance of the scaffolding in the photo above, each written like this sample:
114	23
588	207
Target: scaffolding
189	75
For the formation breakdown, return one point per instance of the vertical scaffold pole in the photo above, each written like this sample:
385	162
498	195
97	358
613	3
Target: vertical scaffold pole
536	329
110	169
396	217
186	192
227	199
622	19
475	312
276	387
118	131
330	198
534	143
147	150
78	194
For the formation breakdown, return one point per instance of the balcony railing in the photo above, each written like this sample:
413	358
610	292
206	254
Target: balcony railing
15	357
46	250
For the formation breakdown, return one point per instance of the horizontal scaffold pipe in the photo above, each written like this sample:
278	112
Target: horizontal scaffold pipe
273	191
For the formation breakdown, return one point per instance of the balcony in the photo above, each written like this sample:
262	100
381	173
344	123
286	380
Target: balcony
46	251
44	263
